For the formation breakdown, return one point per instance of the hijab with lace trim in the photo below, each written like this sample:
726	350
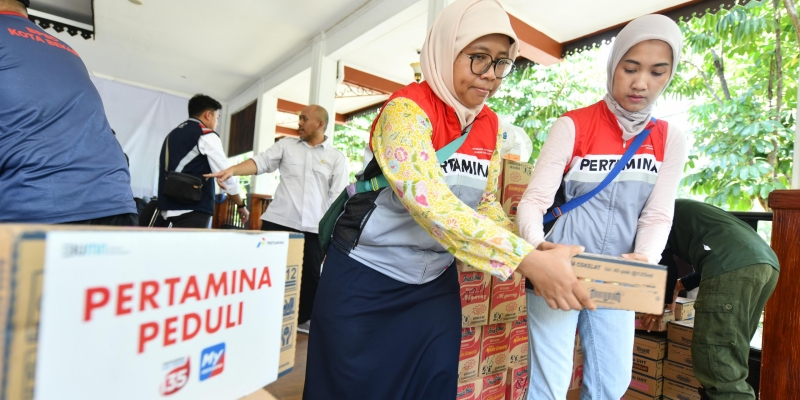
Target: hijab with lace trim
648	27
457	26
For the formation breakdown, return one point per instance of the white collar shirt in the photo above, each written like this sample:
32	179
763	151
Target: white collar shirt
311	179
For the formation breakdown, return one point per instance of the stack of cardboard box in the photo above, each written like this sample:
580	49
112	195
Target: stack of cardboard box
647	380
493	362
291	302
680	382
662	359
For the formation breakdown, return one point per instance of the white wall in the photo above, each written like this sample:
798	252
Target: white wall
142	118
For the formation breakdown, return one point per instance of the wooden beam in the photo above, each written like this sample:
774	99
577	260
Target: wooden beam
372	82
291	107
535	45
280	130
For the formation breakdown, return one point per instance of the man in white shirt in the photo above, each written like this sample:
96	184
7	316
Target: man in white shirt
313	174
194	148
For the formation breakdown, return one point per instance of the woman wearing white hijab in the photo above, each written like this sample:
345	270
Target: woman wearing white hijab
632	216
387	317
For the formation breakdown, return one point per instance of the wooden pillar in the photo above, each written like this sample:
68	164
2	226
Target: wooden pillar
781	347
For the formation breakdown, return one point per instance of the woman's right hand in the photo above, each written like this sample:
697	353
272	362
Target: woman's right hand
550	271
222	176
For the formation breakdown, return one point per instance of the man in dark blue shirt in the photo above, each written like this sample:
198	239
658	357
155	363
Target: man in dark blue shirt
59	160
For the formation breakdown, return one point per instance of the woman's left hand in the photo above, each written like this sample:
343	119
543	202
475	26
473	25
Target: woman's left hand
649	320
637	257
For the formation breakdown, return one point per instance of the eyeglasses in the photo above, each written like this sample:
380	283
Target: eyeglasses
480	63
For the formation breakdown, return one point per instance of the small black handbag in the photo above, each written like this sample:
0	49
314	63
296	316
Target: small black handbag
179	187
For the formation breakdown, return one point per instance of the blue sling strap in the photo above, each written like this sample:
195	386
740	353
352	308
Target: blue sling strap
556	212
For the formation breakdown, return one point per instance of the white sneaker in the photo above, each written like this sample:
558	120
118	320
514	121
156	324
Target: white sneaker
304	327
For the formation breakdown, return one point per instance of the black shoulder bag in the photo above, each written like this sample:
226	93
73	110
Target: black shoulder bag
179	187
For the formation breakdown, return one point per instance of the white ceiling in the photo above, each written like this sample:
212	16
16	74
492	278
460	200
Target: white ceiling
222	48
210	46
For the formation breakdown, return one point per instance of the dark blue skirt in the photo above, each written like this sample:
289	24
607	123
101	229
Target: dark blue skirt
373	337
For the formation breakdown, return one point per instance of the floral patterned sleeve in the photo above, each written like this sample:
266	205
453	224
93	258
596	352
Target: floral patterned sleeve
402	146
489	206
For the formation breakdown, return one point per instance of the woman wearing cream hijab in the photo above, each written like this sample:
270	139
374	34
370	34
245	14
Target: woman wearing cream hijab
632	216
387	319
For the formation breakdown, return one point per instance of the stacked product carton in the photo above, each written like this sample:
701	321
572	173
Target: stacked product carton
493	361
662	360
680	382
647	379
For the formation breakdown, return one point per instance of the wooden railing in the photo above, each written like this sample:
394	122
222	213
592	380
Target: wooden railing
226	217
260	202
781	348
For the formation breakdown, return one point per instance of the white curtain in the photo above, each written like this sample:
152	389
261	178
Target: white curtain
142	118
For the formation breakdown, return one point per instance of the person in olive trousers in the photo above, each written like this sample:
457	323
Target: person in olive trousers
736	271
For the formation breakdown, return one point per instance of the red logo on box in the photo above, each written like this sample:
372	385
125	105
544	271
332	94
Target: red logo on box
177	376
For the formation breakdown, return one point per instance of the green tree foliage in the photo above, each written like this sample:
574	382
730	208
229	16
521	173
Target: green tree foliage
740	66
739	61
535	95
351	139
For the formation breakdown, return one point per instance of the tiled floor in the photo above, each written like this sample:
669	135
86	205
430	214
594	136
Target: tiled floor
290	386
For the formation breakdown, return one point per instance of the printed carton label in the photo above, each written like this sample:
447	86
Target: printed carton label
494	349
475	289
517	383
494	387
469	356
518	341
505	303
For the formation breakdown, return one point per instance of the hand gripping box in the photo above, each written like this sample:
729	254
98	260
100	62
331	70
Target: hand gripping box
621	283
647	385
494	387
684	309
650	345
660	324
518	341
506	302
494	348
517	382
470	390
681	332
124	297
470	355
475	291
